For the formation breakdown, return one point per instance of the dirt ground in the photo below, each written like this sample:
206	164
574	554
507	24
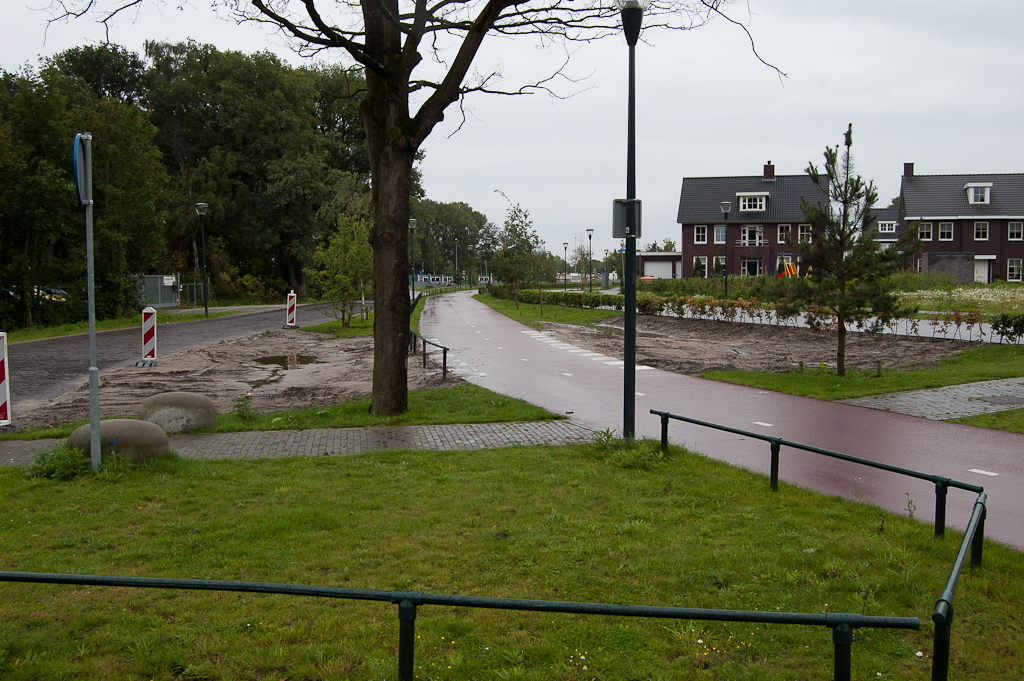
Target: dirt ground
284	370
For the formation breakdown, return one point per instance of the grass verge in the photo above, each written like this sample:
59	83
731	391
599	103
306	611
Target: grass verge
356	327
464	403
986	363
1011	420
531	314
586	523
40	332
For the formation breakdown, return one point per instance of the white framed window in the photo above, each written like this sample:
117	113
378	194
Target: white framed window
700	234
700	266
886	227
752	202
805	234
782	263
784	232
752	235
1015	231
1013	269
981	231
924	231
945	231
978	192
718	265
719	234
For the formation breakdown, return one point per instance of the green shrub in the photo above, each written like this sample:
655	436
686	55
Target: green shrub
59	463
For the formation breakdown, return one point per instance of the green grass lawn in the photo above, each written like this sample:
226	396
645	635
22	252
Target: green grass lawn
985	363
162	317
1011	420
356	327
464	403
531	314
576	523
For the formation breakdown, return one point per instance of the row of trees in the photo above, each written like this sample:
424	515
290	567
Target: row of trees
278	153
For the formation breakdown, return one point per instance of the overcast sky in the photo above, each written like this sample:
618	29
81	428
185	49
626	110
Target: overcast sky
935	82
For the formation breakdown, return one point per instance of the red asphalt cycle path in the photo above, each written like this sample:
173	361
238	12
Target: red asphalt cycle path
493	351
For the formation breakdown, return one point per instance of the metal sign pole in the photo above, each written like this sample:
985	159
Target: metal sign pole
83	182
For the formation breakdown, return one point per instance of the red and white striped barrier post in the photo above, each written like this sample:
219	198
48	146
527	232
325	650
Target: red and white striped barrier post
149	333
290	311
5	388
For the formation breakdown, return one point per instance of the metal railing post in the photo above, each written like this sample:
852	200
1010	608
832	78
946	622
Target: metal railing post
444	364
978	543
424	353
776	446
664	432
940	651
406	639
842	640
940	508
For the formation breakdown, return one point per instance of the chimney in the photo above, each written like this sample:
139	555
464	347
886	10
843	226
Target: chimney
908	170
769	171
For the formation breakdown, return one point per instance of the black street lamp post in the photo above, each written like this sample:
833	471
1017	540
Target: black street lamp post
590	258
412	256
632	13
565	264
726	207
201	210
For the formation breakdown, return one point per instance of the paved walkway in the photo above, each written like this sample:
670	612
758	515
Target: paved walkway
952	401
342	441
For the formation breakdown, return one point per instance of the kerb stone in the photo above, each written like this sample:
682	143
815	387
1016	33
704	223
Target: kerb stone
179	412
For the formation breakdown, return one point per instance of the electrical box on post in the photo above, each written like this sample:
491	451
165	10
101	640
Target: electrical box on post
626	214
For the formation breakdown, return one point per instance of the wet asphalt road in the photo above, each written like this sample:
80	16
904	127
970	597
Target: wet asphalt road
40	370
493	351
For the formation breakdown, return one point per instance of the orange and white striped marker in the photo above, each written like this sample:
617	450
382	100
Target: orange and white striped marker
290	311
149	333
5	388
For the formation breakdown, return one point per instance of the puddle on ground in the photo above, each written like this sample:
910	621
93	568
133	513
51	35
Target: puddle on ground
281	363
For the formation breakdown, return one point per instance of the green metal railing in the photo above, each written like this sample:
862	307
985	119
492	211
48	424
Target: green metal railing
413	344
942	484
841	624
974	535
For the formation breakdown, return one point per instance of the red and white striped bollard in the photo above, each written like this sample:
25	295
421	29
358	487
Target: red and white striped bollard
149	333
5	388
290	311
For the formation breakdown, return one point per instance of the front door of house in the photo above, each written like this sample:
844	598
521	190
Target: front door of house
981	271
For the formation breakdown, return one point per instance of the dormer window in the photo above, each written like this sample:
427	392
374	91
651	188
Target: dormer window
752	201
978	192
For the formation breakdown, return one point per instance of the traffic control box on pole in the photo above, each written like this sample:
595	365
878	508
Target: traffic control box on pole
290	311
5	387
149	333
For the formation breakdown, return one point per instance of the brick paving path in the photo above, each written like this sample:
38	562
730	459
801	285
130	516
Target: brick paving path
950	402
341	441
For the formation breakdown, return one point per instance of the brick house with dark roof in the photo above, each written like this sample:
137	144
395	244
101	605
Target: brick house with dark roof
970	226
765	210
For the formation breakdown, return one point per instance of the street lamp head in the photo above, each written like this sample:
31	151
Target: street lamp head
201	209
412	224
632	12
566	244
590	232
726	207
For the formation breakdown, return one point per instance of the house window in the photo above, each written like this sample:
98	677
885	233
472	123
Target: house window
886	227
700	234
981	231
719	234
752	235
1013	269
782	263
805	234
1015	231
718	265
752	202
945	231
784	232
924	231
978	192
700	266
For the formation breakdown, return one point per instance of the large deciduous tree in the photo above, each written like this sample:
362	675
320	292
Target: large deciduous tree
388	40
847	268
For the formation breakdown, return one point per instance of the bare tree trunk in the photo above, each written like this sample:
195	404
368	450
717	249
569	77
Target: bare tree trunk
841	348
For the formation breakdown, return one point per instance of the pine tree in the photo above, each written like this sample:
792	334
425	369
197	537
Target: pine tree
847	268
